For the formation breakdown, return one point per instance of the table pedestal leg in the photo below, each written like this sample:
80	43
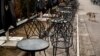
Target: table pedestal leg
32	53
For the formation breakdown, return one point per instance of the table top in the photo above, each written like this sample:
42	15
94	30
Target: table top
43	19
32	44
64	10
57	20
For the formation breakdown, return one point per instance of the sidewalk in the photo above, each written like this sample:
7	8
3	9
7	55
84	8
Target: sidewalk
94	32
89	31
86	6
86	47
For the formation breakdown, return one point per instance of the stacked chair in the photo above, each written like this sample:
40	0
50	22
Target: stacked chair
62	35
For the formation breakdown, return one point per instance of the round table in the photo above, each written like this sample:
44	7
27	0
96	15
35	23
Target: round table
32	45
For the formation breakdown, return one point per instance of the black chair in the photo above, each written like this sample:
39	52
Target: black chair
62	37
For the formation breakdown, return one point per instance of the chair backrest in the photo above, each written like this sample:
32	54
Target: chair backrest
62	32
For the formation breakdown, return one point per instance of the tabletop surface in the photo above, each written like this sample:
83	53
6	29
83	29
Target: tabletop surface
32	44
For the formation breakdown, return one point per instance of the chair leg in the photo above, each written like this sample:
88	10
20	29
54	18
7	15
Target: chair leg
67	52
54	51
44	53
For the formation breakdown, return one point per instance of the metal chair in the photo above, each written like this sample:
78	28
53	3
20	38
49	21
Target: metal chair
62	38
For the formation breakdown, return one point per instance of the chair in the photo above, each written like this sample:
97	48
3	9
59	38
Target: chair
62	38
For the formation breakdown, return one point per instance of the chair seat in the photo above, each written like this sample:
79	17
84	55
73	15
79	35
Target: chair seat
61	44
